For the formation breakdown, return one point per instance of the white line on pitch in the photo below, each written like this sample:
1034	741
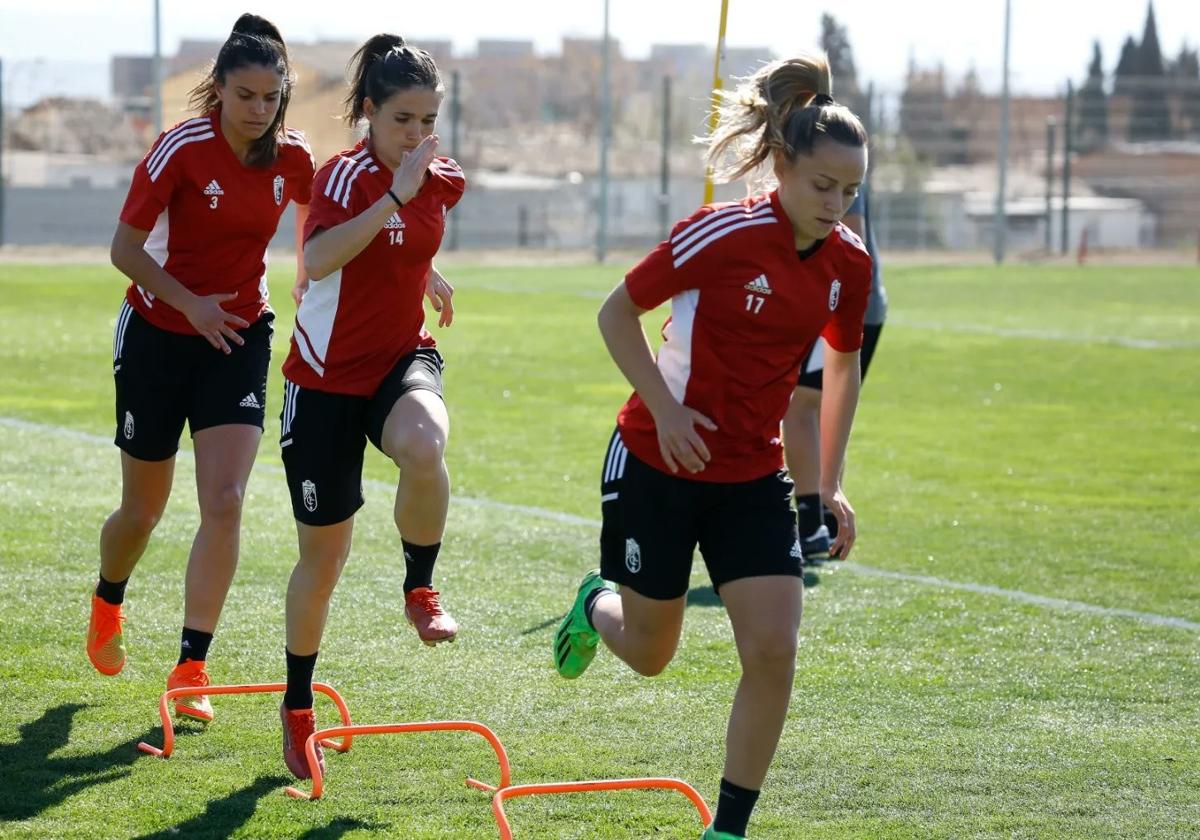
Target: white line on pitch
570	519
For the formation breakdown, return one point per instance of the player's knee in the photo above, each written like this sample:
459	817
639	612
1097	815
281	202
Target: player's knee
419	451
223	503
771	653
140	519
652	663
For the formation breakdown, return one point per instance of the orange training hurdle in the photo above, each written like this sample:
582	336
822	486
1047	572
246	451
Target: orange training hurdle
261	688
348	731
514	791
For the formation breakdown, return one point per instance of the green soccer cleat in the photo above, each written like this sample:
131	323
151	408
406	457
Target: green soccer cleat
576	639
711	833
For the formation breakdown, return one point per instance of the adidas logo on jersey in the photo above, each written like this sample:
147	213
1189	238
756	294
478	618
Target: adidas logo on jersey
759	285
394	222
213	188
250	401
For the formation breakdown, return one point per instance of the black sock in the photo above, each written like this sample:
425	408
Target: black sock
112	593
418	564
830	522
299	694
590	602
733	808
194	645
808	514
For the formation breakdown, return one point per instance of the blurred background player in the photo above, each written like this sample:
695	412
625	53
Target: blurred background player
362	365
802	423
696	458
193	337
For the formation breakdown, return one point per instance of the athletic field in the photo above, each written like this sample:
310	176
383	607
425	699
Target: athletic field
1012	652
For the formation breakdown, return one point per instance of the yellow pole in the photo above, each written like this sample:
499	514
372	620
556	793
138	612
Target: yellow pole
717	84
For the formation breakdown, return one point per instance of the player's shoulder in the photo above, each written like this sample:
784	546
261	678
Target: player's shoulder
295	151
852	254
338	176
718	227
850	243
179	143
448	170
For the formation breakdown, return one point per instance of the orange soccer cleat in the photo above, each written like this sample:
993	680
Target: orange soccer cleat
105	640
298	725
191	674
424	612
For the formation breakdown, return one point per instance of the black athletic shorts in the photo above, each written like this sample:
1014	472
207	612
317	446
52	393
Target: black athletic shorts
653	522
165	379
323	436
814	361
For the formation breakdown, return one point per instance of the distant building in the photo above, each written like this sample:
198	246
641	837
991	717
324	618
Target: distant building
131	76
498	48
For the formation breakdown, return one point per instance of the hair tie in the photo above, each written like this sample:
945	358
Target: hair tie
821	100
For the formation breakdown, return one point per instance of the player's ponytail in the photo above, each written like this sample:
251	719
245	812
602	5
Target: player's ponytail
384	65
254	40
783	108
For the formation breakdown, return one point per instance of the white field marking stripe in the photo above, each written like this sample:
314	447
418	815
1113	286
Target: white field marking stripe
176	146
1028	597
1046	335
188	127
700	226
699	246
570	519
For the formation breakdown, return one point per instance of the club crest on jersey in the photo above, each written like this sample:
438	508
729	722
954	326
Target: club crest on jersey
835	294
633	556
279	189
310	495
759	285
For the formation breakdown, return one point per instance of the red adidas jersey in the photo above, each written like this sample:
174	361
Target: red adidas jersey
354	325
744	310
211	217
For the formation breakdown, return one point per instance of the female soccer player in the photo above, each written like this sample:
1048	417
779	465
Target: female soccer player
193	338
696	457
802	423
362	365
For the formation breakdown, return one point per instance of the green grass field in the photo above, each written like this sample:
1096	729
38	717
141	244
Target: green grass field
1028	431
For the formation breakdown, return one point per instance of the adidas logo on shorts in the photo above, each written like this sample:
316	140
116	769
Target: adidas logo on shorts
250	401
213	188
394	222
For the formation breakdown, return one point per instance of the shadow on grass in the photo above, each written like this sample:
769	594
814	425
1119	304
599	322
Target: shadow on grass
33	781
225	816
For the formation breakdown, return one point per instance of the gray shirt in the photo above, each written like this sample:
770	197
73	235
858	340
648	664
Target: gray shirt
878	303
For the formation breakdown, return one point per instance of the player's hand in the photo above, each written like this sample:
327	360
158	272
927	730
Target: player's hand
299	290
411	172
678	441
837	503
216	325
440	294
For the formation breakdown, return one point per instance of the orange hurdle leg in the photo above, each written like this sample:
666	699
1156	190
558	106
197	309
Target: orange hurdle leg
169	728
318	781
587	786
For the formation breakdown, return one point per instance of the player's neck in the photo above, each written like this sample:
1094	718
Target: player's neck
238	144
382	156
